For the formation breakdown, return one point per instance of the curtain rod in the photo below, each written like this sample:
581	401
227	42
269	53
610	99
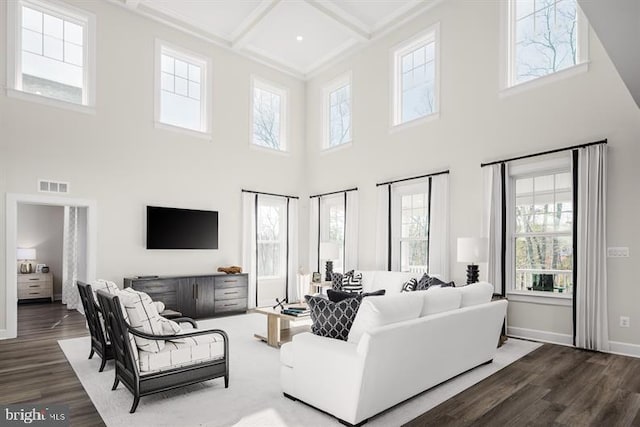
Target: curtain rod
413	177
334	192
270	194
557	150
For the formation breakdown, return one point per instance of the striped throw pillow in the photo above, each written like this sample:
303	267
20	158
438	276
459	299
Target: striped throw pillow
352	282
410	286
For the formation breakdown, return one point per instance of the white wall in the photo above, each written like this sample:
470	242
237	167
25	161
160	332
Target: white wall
476	124
119	159
42	227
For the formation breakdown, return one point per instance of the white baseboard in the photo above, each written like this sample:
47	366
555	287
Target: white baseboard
624	349
543	336
4	334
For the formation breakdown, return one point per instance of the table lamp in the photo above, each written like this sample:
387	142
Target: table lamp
328	252
25	255
472	250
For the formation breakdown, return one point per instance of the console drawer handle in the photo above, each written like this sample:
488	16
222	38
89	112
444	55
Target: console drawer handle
231	293
37	278
34	286
230	281
230	305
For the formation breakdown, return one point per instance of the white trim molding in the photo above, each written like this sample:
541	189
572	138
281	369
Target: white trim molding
624	349
543	336
11	272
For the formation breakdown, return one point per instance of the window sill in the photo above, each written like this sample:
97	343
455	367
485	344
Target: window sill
544	80
191	132
330	150
538	297
415	122
269	150
51	102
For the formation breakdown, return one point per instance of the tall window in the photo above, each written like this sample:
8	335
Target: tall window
52	53
414	249
416	78
272	235
337	112
546	36
543	231
332	226
268	111
181	96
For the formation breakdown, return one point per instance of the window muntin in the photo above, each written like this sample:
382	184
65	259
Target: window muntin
51	55
268	128
337	106
182	90
542	240
415	75
545	37
414	232
272	234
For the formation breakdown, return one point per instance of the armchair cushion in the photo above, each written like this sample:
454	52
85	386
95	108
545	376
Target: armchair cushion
104	285
184	351
143	317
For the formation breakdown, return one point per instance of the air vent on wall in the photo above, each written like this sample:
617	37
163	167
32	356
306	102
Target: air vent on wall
47	186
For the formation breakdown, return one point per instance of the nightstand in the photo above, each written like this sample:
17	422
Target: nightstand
36	285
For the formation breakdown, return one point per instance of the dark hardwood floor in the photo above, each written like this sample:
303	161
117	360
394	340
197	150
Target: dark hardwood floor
553	385
33	368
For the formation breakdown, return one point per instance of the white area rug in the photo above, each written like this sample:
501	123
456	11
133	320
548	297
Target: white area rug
254	397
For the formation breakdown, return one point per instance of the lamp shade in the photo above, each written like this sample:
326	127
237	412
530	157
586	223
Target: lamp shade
329	251
472	249
26	254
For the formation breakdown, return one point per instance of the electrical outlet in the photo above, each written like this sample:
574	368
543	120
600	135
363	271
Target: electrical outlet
619	252
624	321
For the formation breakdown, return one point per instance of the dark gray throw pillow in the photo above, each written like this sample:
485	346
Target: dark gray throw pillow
434	281
336	281
337	296
333	319
423	283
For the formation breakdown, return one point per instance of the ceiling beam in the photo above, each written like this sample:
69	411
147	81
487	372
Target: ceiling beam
241	35
350	22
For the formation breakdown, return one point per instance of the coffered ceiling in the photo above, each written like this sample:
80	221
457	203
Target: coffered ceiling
299	37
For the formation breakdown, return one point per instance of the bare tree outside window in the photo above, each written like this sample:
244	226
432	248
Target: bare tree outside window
266	118
418	77
340	116
271	257
546	37
414	233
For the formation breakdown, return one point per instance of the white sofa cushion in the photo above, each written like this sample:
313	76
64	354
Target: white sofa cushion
286	355
184	352
439	300
143	317
391	281
385	310
476	293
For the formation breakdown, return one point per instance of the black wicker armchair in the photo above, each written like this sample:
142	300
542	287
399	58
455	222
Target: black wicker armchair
99	341
146	383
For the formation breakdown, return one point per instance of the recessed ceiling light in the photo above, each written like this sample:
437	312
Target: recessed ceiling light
299	38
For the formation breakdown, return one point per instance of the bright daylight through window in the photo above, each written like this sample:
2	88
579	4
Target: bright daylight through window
337	105
543	232
268	116
414	244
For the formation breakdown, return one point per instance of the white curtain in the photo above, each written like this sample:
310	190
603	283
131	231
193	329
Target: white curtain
292	273
70	295
439	227
351	231
382	228
591	287
314	242
492	223
249	244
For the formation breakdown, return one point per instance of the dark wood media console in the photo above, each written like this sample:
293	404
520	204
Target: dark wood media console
197	296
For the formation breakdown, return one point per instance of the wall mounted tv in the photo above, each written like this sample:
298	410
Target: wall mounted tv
171	228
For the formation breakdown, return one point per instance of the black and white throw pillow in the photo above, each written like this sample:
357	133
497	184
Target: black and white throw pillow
352	282
333	319
336	281
337	296
423	283
410	285
434	281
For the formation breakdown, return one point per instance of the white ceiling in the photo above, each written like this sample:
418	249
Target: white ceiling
267	30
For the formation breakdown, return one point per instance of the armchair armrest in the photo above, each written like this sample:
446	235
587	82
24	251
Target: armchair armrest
185	335
186	320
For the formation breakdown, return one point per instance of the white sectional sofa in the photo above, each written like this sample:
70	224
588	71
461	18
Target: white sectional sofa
400	345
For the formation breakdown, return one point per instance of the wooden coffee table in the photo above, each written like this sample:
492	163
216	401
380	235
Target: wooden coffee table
279	329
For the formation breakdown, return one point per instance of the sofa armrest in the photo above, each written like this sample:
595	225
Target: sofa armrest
307	346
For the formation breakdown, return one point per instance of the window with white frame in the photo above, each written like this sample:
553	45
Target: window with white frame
414	235
272	235
51	51
542	230
332	226
268	115
337	112
415	84
181	89
545	36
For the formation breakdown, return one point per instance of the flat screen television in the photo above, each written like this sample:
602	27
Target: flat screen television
171	228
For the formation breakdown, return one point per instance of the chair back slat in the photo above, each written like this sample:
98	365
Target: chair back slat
96	328
126	360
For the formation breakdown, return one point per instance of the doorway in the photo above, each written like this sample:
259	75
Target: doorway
26	231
